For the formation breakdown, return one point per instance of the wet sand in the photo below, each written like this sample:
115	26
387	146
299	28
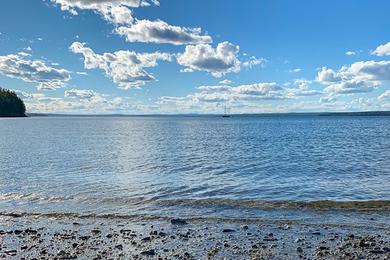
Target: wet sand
33	237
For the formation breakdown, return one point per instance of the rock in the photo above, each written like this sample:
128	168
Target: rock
299	249
11	252
30	231
151	252
377	251
363	243
269	239
177	221
316	233
162	234
228	230
245	227
120	247
146	239
84	237
17	232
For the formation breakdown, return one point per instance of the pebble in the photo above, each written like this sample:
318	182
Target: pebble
177	221
149	252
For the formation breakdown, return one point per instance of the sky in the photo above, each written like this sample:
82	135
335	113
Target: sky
168	57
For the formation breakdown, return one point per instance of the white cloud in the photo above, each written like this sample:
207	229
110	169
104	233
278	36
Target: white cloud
296	70
225	82
263	90
120	14
186	70
161	32
28	49
301	89
326	75
328	99
126	68
80	93
115	11
350	53
382	50
80	101
253	61
218	61
371	70
360	77
36	71
385	96
243	97
214	88
351	87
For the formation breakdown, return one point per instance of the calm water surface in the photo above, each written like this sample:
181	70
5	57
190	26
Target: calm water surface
195	164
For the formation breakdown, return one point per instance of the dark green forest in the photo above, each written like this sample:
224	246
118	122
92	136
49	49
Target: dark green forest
10	104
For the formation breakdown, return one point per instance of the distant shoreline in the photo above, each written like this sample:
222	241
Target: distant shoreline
361	113
17	116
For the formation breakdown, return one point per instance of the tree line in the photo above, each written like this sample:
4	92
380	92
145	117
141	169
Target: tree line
10	104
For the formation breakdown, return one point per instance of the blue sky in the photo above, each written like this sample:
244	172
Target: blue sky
150	56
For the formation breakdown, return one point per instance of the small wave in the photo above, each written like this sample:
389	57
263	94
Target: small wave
113	202
368	205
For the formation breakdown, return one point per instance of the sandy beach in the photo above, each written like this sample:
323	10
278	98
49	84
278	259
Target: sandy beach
71	237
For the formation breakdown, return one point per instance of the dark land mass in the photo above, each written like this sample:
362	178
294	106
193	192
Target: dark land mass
11	105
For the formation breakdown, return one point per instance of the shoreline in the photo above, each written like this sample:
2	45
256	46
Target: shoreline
98	238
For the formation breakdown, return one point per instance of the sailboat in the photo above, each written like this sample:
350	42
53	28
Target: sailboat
226	112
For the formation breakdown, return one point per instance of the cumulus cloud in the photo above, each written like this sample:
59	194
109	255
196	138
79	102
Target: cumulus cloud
360	77
119	13
36	71
161	32
260	90
210	97
382	50
115	11
217	61
126	68
351	87
326	75
371	70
